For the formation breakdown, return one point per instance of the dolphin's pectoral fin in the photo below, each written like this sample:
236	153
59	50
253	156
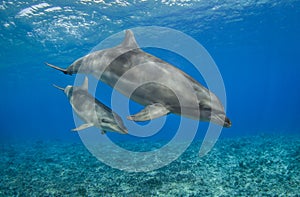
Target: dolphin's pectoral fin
150	112
83	126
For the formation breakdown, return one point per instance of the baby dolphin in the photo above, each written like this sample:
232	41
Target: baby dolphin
129	66
92	111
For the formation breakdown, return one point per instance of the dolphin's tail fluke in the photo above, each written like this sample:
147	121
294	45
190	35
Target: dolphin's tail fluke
57	68
60	88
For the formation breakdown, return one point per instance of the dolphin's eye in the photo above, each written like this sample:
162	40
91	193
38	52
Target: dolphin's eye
204	107
105	120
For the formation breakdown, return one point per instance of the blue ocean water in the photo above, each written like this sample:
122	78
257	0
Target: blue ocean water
255	45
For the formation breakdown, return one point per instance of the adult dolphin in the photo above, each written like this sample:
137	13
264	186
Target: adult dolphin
159	86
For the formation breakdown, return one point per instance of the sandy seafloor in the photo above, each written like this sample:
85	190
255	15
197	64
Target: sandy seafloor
264	165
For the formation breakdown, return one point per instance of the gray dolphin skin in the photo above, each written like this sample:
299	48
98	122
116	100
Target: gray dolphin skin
126	66
92	111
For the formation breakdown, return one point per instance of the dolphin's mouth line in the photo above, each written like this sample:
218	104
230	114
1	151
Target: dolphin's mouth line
220	118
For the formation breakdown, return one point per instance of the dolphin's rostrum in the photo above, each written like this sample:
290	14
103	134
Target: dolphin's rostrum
92	111
129	66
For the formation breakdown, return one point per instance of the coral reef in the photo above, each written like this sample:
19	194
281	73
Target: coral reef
263	165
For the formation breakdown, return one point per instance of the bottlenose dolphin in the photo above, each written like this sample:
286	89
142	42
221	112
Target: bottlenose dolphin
92	111
129	66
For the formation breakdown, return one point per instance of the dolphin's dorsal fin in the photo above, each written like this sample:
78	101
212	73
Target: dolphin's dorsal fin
129	41
85	84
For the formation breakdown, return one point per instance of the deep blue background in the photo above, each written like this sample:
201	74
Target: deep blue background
257	55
